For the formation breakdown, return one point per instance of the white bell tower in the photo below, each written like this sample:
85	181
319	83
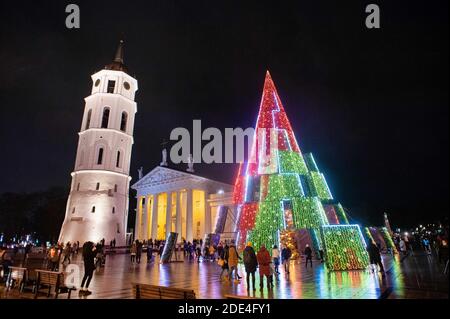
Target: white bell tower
97	207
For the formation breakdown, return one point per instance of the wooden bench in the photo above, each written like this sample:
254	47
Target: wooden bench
49	280
17	276
144	291
33	262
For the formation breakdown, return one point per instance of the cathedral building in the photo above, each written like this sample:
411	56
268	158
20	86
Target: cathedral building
97	206
173	200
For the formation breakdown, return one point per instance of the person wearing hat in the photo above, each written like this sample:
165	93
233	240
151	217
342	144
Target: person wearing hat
250	264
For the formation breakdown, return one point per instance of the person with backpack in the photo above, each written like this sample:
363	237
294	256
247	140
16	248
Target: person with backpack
250	264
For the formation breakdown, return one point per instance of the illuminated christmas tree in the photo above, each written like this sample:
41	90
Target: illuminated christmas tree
281	191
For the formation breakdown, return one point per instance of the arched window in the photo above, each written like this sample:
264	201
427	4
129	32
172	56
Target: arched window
93	209
100	156
97	187
88	119
78	187
105	117
123	122
73	210
115	188
118	159
113	210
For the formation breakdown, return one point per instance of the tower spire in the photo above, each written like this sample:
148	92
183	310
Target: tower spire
119	53
117	64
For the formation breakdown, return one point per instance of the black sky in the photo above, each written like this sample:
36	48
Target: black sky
372	105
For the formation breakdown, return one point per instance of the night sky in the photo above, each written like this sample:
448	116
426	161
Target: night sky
371	105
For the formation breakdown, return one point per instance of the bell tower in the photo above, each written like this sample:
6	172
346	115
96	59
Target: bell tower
97	206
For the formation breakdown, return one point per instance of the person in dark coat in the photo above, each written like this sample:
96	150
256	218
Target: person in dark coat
149	252
264	261
224	257
250	264
89	253
138	251
308	254
286	257
374	255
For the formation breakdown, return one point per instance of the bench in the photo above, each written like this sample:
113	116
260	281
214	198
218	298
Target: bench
49	280
144	291
17	276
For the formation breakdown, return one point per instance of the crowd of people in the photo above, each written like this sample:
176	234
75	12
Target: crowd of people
267	264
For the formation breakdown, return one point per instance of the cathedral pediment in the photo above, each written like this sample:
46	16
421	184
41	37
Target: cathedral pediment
164	178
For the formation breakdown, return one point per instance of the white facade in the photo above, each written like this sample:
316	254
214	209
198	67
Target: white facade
169	200
97	207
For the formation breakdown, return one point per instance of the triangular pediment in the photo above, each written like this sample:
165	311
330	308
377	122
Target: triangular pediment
161	177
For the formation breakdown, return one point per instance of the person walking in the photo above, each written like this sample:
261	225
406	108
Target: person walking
199	253
67	252
212	252
250	264
426	245
224	262
53	256
403	247
149	253
138	251
308	254
286	257
276	258
219	249
89	266
133	250
233	259
264	260
374	256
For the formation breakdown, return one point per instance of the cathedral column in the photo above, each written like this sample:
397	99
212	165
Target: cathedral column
137	223
178	221
169	214
144	216
207	214
148	224
154	217
189	216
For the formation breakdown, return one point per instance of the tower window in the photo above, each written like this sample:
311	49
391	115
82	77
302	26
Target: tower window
111	85
105	117
123	122
88	119
78	187
100	156
113	210
73	210
93	209
115	188
118	159
97	187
